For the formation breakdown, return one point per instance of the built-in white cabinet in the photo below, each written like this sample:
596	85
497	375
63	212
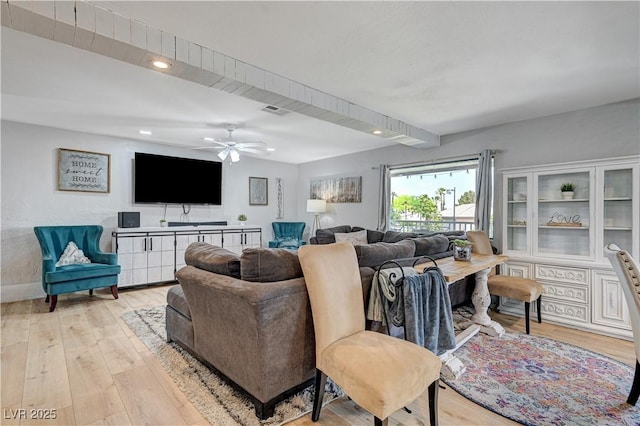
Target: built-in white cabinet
558	239
153	255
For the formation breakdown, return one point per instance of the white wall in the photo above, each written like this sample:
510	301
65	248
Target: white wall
30	196
593	133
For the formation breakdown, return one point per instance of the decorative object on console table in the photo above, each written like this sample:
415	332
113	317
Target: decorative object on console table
83	171
316	207
258	191
337	190
163	223
567	189
461	249
242	218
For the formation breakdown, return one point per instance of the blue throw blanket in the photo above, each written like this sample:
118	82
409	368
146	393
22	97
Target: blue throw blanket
428	319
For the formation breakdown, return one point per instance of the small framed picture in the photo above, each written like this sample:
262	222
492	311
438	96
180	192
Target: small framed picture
258	191
83	171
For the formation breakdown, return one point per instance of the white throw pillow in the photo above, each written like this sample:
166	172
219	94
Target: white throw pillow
355	238
72	255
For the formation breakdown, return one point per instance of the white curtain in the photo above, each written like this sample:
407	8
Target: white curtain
385	196
484	202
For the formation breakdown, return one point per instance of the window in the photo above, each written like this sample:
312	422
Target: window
434	196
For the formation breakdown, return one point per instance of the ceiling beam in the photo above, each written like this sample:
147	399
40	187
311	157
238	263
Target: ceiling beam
89	27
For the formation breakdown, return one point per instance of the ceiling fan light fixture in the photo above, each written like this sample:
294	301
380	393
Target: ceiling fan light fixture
235	156
222	155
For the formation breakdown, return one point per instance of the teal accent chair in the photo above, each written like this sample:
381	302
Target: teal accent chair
101	272
287	235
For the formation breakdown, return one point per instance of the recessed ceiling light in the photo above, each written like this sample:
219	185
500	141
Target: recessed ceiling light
271	149
145	132
377	132
208	139
161	64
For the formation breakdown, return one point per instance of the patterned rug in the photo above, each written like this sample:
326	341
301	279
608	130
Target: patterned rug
218	402
534	380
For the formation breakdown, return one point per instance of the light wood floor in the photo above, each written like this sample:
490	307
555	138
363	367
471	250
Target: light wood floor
85	363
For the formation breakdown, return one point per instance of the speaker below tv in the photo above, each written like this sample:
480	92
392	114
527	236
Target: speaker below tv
128	219
219	223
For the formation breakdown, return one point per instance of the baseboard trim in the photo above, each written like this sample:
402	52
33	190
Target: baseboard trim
20	292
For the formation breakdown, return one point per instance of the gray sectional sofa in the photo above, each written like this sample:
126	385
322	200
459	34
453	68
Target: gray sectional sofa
248	317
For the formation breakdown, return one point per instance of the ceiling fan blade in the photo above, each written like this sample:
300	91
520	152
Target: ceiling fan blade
209	147
251	144
252	150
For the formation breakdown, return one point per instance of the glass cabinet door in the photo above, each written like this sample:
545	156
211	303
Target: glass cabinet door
517	196
619	209
563	222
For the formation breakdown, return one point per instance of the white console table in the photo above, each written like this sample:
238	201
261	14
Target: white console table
154	254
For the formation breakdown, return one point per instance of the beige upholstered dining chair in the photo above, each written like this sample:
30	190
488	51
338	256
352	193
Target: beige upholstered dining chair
516	288
380	373
629	275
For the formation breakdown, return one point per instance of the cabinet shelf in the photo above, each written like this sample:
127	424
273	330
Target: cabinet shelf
618	228
517	226
562	227
617	199
560	200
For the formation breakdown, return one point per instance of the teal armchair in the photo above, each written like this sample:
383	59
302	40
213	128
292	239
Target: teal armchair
101	272
287	235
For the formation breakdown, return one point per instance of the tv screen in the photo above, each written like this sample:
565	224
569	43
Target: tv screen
173	180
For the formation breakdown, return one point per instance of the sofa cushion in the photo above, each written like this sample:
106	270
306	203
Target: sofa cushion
269	265
431	245
213	259
395	236
355	238
375	254
326	236
373	236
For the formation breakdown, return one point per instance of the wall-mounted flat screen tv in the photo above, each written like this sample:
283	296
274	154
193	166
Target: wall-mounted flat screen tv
173	180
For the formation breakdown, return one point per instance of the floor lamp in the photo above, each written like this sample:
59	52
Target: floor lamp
316	207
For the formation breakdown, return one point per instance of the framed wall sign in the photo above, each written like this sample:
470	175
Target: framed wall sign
83	171
258	191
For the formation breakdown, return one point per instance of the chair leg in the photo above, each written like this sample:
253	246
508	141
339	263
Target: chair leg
378	422
539	309
114	291
635	388
433	402
46	299
526	316
52	304
321	380
90	292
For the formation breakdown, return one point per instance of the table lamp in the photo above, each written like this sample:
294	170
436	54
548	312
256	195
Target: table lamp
316	206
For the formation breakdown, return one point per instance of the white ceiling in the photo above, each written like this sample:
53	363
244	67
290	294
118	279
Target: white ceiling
445	67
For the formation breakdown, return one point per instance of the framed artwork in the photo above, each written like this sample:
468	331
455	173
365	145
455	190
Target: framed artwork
337	190
258	191
83	171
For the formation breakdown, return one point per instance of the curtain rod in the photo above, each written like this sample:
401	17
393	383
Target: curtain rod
441	160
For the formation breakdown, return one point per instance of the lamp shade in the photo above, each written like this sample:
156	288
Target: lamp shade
316	206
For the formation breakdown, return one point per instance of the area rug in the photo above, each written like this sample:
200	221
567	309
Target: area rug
535	380
218	402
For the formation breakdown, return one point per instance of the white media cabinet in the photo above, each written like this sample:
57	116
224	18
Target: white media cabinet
153	255
560	241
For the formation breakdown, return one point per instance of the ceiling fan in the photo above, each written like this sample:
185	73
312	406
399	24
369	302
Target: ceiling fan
232	148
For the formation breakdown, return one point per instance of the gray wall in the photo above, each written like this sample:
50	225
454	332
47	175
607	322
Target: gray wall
593	133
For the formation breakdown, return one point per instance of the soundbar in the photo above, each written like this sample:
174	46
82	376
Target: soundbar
221	222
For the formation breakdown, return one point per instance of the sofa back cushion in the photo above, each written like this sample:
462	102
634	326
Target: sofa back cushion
373	255
213	259
269	265
326	236
431	245
395	236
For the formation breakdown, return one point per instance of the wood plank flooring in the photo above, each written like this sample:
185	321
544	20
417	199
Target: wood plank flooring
85	363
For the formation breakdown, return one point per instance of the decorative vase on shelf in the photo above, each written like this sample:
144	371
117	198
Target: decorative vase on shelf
567	195
163	223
